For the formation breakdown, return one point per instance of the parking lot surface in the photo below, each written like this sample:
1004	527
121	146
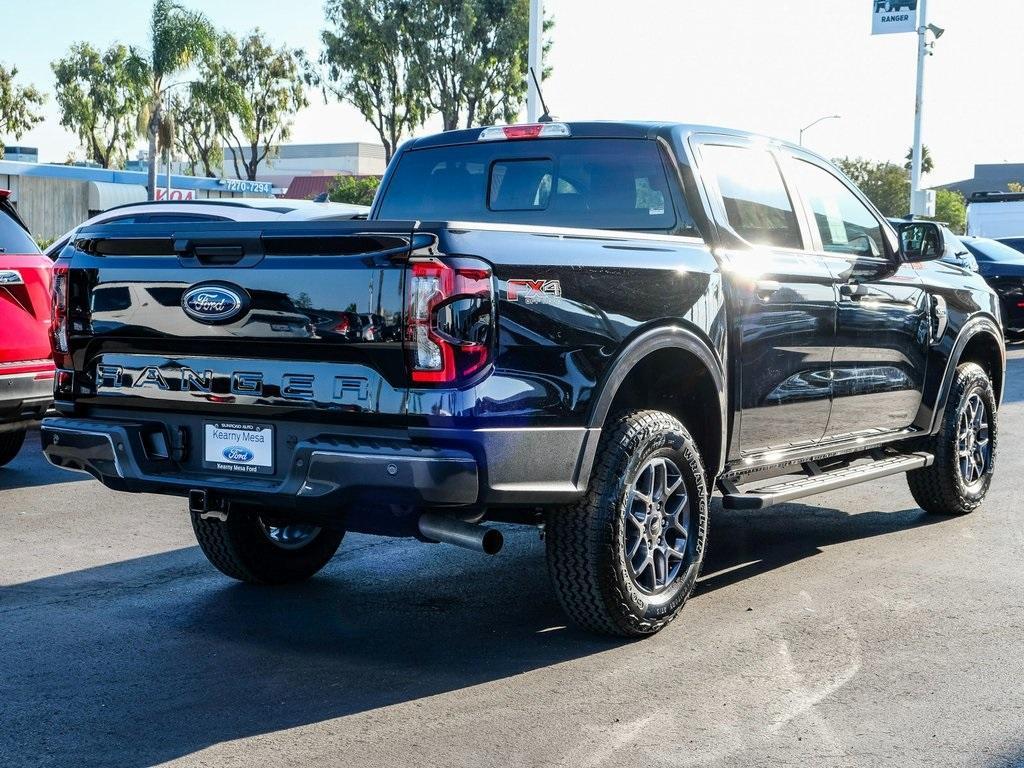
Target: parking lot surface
849	630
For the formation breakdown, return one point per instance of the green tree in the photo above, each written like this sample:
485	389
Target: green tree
100	96
354	190
179	39
472	58
927	166
369	62
1015	186
951	208
18	106
197	134
885	184
256	90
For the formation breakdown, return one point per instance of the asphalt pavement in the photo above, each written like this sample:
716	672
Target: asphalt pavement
849	630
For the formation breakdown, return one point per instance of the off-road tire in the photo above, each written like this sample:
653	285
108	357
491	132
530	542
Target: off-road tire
586	544
239	548
10	445
940	489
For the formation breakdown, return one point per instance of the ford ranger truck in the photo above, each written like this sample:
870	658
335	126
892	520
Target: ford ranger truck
26	370
588	326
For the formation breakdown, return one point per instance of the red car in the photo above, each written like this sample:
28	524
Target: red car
26	369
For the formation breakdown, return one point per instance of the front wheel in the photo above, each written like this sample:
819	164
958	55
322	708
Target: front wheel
10	445
624	560
260	550
964	448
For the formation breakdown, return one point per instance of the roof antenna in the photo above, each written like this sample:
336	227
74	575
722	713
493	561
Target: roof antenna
546	117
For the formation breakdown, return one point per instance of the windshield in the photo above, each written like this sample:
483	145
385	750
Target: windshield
992	250
618	184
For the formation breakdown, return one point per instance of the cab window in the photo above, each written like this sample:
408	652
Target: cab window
756	202
845	224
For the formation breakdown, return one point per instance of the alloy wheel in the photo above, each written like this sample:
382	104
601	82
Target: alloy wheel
973	441
657	525
293	536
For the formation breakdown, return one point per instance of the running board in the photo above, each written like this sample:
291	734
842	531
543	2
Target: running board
818	481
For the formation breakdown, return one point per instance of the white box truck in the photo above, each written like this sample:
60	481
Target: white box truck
995	214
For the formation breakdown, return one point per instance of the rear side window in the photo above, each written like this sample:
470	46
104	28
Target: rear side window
754	196
13	237
617	184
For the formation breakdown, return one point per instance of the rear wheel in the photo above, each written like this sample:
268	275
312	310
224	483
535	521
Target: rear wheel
261	550
10	445
964	448
624	560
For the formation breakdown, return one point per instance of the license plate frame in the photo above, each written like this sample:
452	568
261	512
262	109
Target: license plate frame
241	448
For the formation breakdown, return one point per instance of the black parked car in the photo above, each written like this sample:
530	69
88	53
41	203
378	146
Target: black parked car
1016	243
1003	269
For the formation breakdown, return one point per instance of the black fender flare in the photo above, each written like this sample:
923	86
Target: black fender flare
976	325
666	337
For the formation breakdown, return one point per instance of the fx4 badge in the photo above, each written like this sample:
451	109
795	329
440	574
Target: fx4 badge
534	291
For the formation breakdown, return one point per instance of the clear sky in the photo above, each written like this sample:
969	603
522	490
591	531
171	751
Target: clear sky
767	65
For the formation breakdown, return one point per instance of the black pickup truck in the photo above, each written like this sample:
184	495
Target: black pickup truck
588	326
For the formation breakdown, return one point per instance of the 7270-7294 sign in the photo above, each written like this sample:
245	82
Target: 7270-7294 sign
891	16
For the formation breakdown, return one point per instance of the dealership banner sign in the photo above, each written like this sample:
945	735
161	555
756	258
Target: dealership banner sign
892	16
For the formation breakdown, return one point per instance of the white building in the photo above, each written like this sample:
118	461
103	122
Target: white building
290	160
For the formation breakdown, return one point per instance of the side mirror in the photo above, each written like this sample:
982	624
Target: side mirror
920	241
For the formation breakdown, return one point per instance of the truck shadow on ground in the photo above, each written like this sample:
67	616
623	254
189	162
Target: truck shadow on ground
138	662
28	470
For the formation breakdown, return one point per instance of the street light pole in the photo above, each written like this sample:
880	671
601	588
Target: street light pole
916	206
819	120
534	60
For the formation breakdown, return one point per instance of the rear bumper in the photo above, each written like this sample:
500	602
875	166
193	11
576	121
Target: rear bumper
322	472
24	399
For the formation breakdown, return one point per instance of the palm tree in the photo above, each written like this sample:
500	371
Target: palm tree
179	39
926	159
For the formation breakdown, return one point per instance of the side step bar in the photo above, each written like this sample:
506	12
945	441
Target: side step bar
818	481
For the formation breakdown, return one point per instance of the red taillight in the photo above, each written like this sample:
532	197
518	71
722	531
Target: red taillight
448	321
59	317
343	326
522	131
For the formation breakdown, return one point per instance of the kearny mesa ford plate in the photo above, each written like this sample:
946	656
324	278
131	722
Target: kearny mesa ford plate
243	448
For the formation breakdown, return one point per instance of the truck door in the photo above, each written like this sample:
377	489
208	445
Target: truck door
883	329
781	297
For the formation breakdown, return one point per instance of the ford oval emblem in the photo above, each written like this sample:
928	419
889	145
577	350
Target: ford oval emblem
239	454
213	303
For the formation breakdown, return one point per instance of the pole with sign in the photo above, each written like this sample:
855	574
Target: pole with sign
893	16
919	202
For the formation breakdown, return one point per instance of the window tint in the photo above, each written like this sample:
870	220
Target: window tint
521	185
845	223
592	183
755	198
13	238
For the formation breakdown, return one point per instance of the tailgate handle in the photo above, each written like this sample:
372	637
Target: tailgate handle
240	248
218	254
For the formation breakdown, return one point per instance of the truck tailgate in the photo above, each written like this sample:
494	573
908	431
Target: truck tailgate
237	313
